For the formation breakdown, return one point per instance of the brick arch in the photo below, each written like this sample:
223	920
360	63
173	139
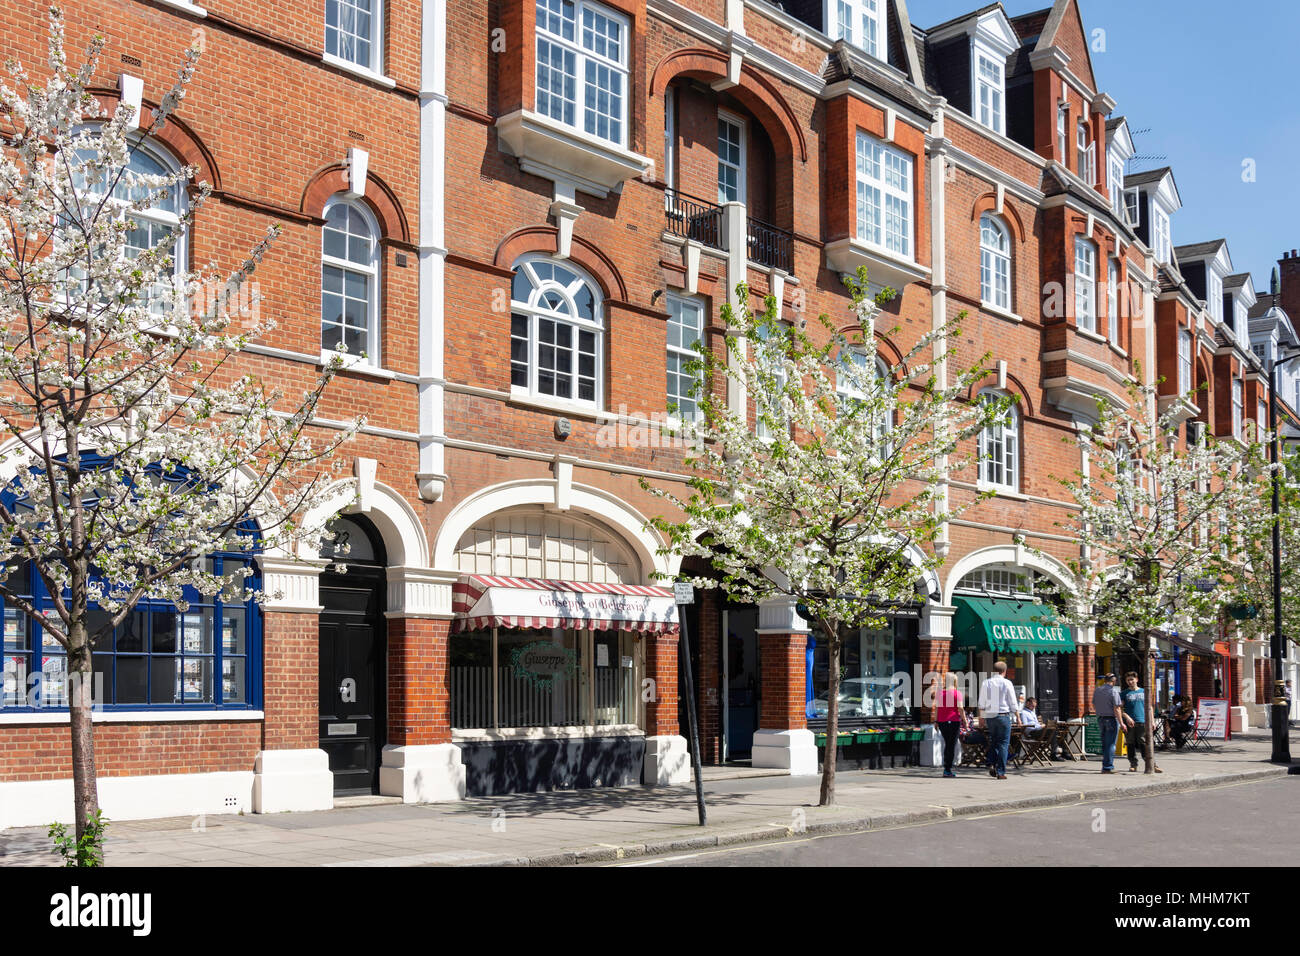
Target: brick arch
885	347
331	180
1013	387
583	253
755	91
175	136
989	203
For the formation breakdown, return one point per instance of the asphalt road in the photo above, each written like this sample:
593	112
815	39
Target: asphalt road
1249	824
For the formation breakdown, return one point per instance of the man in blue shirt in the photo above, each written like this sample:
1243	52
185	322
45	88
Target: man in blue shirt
1106	705
1135	716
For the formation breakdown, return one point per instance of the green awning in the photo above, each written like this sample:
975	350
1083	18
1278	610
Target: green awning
983	624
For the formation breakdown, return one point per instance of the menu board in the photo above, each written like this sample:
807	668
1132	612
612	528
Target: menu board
1212	718
1091	735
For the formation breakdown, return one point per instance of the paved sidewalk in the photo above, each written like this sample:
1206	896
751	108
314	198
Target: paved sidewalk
591	825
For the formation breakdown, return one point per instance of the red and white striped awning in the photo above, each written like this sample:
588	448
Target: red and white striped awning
485	600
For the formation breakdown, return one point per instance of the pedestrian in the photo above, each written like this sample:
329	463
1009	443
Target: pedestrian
1288	703
947	715
1107	706
997	708
1135	716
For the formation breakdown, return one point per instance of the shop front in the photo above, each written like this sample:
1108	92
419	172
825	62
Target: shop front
545	681
1026	635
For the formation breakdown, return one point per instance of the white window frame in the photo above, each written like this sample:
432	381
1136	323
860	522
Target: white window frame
163	293
1087	153
847	393
731	119
858	15
1185	365
370	270
1160	240
990	110
1132	207
670	145
1112	301
1214	294
761	431
995	282
876	193
684	353
999	449
1085	284
535	315
376	38
582	58
1238	407
1116	184
1062	131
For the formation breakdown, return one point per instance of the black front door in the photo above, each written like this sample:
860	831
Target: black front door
1047	670
352	671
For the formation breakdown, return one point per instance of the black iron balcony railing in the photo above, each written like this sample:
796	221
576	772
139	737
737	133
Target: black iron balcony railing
693	218
770	246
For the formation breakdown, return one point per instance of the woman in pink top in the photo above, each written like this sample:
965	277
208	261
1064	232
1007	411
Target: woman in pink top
947	714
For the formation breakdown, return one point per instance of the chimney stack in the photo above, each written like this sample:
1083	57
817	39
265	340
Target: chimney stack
1288	291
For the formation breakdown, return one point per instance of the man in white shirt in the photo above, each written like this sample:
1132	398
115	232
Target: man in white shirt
998	705
1029	713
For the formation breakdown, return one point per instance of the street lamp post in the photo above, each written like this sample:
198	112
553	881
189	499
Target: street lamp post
1281	743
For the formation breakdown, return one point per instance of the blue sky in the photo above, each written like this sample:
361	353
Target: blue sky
1213	89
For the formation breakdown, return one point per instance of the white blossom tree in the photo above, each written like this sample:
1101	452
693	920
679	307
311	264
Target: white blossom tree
134	444
1160	528
834	495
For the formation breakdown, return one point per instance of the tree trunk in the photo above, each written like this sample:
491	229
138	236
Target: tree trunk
832	713
1148	678
85	792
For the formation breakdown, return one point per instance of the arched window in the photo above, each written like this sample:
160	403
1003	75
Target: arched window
151	227
995	263
999	445
350	281
849	390
556	333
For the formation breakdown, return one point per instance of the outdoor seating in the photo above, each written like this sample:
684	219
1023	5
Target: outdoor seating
974	754
1037	749
1198	740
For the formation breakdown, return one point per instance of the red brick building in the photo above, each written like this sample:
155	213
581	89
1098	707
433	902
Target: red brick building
560	195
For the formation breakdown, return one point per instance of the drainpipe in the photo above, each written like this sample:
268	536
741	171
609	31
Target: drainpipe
431	476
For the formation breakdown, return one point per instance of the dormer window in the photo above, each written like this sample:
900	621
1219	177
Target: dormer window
989	86
1132	207
1215	285
860	22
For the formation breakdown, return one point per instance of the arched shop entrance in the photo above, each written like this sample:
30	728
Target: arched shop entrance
353	656
547	652
997	618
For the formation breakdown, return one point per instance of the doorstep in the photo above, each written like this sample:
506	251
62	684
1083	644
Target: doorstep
365	800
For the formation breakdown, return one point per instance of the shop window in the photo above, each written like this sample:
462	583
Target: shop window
511	678
160	657
869	660
556	333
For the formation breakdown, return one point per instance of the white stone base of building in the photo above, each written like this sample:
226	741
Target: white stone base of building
1239	719
932	748
292	780
35	803
792	750
667	762
429	773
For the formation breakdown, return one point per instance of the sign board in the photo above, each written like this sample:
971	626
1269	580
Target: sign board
1212	717
1091	735
683	592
